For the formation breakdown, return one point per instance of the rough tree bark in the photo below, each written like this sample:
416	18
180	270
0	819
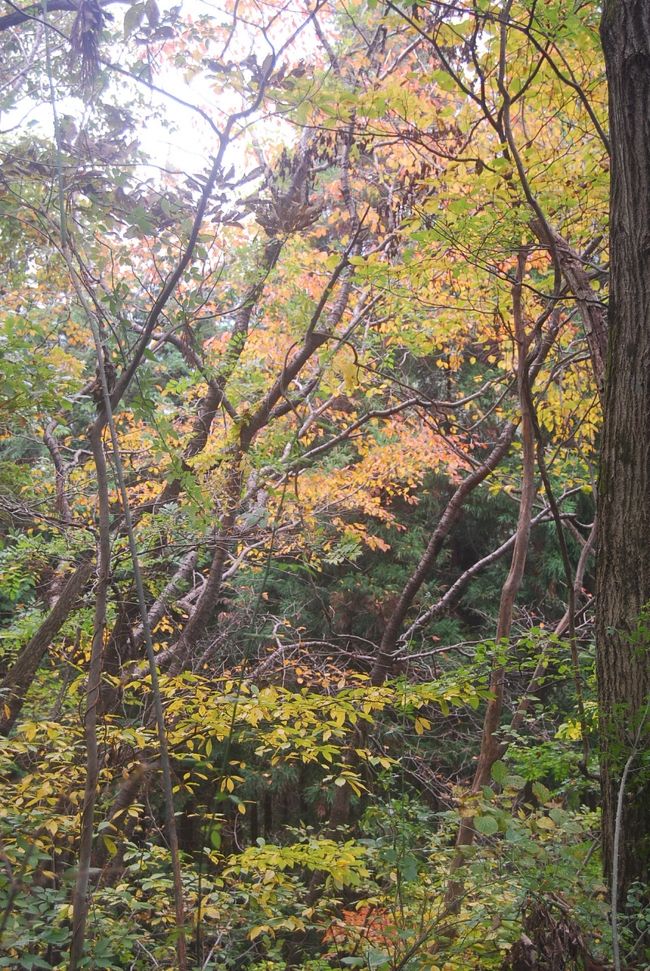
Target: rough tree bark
623	572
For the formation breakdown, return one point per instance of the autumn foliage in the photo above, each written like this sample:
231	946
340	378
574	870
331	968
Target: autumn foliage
303	333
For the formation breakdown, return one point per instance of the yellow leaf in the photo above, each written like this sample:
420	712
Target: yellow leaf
421	724
110	845
545	823
350	373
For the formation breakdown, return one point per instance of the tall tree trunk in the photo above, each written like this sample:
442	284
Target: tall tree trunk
623	572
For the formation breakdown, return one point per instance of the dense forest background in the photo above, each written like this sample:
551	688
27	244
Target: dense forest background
303	326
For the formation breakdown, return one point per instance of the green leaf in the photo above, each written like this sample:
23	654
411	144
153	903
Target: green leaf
487	825
408	868
541	792
377	959
133	18
443	80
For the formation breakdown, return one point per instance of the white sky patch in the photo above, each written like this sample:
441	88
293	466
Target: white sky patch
173	137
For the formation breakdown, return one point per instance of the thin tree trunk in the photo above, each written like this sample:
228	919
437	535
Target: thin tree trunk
116	818
450	516
80	894
387	648
18	679
490	744
383	662
590	307
451	597
160	606
623	571
539	672
60	474
181	653
215	395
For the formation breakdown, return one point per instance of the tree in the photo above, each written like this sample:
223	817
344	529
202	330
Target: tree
622	632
